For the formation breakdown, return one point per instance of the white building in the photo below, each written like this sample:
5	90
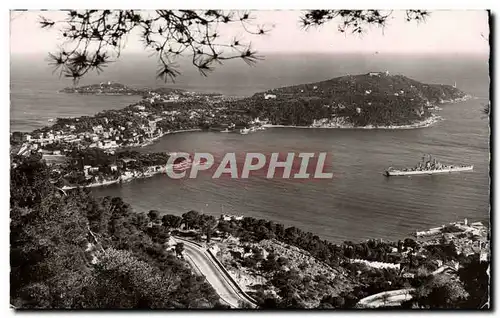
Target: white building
378	73
229	217
86	169
98	129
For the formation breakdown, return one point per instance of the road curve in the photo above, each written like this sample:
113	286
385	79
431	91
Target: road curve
387	298
214	274
395	297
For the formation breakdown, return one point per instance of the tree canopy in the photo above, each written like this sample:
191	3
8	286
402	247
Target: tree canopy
76	251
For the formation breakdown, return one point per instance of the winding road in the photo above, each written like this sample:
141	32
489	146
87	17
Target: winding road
204	264
395	297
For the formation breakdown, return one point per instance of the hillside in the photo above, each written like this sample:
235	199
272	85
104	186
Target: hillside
377	99
78	252
74	251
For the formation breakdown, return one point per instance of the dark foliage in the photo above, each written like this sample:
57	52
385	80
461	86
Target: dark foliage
475	276
356	21
76	251
94	38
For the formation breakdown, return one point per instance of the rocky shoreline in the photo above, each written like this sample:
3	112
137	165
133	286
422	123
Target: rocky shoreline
421	124
130	176
152	140
433	119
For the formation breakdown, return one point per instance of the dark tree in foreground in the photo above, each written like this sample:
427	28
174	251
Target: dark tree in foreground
94	38
208	224
191	219
475	276
171	221
154	215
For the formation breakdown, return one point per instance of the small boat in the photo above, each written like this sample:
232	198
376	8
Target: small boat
244	131
427	167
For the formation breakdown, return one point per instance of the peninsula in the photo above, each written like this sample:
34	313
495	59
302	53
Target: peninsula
367	101
373	100
110	88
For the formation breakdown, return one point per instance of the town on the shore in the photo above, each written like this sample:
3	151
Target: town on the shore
83	151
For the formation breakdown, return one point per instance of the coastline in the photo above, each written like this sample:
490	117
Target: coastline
93	185
433	119
99	94
133	176
421	124
456	100
121	179
152	140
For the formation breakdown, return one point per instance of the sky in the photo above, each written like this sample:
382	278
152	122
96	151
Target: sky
457	31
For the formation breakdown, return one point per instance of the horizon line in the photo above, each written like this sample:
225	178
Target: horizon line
374	52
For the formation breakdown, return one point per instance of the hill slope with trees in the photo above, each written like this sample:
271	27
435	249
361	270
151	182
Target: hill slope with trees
377	99
77	252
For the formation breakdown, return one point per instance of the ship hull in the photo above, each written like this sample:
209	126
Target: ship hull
416	173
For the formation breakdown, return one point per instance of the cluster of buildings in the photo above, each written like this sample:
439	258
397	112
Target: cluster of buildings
230	217
378	74
133	126
154	97
468	238
334	122
105	136
142	122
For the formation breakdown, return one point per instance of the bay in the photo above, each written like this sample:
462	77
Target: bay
358	203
